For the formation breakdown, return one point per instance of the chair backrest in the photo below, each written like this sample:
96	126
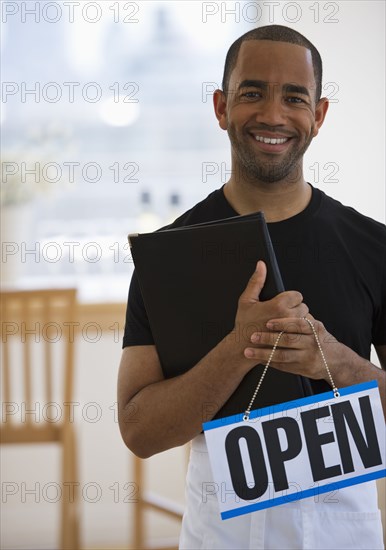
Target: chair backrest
38	332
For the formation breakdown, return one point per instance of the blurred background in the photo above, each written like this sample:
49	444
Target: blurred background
107	128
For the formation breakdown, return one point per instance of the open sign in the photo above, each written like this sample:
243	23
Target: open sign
315	444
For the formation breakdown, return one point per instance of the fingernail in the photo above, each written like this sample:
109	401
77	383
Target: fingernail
270	324
255	337
248	352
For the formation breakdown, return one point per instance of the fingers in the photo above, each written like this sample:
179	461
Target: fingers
302	311
290	299
268	339
255	284
282	356
297	348
291	348
284	308
295	330
294	326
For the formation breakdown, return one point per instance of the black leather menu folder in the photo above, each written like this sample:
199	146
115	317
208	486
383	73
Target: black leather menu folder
191	278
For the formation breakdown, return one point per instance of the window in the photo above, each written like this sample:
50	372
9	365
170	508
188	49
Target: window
108	129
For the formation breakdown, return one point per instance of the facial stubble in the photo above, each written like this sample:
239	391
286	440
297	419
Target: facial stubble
253	168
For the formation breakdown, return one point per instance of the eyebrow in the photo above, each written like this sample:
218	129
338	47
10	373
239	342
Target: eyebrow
297	89
263	85
253	84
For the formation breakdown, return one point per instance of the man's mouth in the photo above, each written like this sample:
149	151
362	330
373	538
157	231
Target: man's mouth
272	141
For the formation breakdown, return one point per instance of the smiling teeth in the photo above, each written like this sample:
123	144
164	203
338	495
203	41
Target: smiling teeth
273	141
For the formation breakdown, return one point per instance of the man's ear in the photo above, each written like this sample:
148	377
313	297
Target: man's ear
320	113
220	108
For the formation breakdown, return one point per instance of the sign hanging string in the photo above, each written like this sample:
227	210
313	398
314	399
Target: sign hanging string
334	388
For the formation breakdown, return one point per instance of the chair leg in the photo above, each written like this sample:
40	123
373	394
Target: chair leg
70	494
139	527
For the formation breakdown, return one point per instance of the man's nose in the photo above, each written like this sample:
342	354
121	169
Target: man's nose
271	111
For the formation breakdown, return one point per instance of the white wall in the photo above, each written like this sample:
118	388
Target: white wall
353	135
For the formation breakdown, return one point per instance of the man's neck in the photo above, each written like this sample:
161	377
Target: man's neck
279	201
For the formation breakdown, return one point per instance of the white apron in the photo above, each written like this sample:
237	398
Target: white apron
345	519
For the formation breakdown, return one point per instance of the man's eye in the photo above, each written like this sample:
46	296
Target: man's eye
295	99
251	95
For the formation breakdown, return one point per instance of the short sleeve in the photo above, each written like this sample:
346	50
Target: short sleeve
137	329
379	326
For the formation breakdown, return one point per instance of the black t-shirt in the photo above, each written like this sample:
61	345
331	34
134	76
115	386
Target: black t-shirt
332	254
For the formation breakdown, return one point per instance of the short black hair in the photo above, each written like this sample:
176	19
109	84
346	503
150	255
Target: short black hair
276	33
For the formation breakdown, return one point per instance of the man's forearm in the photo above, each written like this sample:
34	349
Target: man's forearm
170	412
354	369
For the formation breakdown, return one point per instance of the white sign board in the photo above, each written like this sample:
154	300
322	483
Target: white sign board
297	449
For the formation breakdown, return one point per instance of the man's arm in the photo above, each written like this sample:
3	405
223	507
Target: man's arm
381	352
298	353
156	414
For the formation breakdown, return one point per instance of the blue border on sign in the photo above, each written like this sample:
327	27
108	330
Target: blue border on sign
257	413
303	494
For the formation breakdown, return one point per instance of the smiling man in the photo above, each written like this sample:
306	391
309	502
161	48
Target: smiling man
334	260
271	120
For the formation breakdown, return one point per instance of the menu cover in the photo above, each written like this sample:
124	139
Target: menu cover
191	278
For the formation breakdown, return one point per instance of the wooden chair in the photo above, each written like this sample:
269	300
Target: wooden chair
38	338
148	500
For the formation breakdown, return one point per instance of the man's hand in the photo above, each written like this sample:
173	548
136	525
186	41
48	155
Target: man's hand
253	315
298	351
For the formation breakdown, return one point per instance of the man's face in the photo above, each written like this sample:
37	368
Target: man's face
270	111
